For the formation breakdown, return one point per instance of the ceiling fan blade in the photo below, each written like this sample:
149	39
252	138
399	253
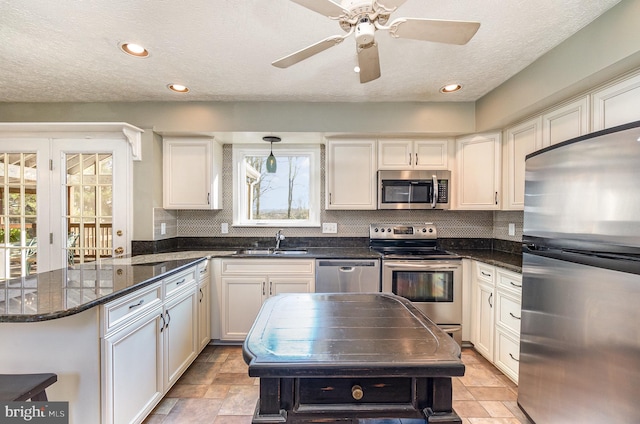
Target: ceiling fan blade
391	4
369	63
324	7
439	31
307	52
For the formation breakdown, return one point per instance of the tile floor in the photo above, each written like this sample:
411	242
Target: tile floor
216	389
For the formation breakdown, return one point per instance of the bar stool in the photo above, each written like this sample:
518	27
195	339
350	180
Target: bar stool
20	387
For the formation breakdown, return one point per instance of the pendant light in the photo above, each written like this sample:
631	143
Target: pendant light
272	164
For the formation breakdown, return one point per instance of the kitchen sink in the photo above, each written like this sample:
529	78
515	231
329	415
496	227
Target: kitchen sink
263	252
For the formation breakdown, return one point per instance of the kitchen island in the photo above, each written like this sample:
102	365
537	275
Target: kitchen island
72	322
337	356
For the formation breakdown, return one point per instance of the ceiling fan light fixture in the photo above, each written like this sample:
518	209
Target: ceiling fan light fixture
450	88
178	88
134	49
272	163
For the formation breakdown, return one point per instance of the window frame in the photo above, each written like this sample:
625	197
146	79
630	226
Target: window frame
240	201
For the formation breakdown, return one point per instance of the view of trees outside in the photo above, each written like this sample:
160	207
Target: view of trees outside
280	195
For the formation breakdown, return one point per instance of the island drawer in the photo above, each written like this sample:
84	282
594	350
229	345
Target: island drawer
326	391
176	282
126	308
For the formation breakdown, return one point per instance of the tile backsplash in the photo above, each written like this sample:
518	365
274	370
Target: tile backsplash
450	224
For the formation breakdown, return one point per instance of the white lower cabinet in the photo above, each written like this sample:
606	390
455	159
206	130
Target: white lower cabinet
148	339
246	283
204	304
496	306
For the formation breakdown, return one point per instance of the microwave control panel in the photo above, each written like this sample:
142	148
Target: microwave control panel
443	191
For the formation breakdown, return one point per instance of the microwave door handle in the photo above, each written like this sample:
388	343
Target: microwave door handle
435	191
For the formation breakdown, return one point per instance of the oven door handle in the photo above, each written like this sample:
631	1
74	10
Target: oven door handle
413	265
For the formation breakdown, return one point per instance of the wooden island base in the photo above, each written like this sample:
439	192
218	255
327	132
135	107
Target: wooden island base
359	358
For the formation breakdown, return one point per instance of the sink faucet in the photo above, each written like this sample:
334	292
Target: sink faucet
279	238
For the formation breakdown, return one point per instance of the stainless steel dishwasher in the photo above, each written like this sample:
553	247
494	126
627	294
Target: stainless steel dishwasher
347	275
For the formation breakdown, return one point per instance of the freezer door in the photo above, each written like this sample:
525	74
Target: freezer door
586	191
580	343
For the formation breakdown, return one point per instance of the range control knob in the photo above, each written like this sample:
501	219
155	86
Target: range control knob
424	230
375	230
388	230
431	230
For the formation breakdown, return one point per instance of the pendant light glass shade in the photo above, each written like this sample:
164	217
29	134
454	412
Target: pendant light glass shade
272	164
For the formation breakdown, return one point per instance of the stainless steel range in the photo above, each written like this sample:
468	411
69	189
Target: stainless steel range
415	268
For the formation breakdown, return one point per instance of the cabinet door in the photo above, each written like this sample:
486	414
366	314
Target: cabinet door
484	320
566	122
478	172
617	104
278	285
188	181
351	174
430	154
180	334
132	380
521	140
395	154
242	298
204	314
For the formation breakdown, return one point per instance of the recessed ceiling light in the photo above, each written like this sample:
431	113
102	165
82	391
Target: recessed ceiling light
134	49
356	69
450	88
178	88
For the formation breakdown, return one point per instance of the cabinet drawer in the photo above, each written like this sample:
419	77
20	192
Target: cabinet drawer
203	270
510	281
267	266
127	308
507	354
508	310
176	282
485	273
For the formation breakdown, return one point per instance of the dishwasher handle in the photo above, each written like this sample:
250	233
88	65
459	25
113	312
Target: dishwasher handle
342	264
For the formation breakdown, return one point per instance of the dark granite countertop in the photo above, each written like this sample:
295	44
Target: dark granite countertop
62	292
506	260
316	252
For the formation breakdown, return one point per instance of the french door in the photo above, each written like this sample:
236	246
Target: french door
63	202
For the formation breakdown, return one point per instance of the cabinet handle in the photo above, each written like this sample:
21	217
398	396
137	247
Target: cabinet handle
163	323
270	288
201	295
515	285
263	284
485	274
208	198
416	159
329	198
137	304
490	296
496	197
409	159
513	357
181	281
168	320
511	313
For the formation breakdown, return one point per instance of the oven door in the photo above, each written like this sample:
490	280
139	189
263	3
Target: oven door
433	286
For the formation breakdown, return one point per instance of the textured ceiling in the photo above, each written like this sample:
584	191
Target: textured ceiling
67	50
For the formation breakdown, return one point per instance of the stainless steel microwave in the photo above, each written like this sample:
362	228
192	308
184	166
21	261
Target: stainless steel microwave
413	189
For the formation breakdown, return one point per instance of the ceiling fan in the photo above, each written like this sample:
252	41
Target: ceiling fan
364	18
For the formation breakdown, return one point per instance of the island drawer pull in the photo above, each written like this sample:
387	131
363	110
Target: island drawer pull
181	281
136	304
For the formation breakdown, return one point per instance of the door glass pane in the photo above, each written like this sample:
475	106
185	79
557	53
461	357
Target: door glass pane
424	286
18	241
89	210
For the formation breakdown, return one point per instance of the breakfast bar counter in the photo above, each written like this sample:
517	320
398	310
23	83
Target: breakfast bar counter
350	356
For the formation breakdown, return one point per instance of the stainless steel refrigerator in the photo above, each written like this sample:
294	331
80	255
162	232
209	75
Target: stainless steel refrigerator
580	328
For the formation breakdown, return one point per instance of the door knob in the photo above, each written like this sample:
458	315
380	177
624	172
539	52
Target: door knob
119	250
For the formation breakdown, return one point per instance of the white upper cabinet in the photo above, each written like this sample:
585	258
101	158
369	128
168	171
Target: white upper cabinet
192	173
413	154
520	140
616	104
351	174
566	122
478	172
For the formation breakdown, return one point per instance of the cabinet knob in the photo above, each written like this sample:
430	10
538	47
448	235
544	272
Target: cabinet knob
356	392
119	250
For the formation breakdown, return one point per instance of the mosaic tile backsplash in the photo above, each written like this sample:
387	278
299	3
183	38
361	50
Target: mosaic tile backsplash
450	224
